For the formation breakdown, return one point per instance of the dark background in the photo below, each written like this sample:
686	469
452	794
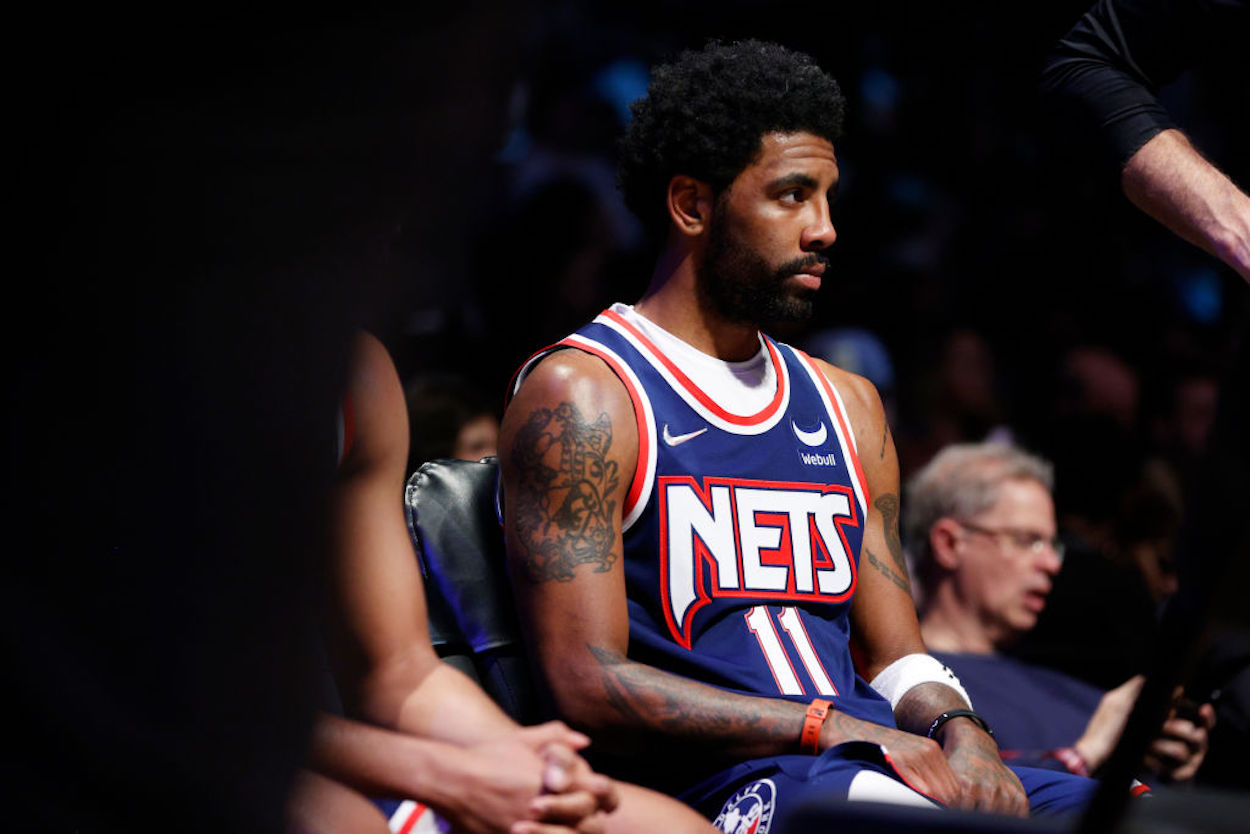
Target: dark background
209	201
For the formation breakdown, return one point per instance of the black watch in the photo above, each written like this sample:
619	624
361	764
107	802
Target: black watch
959	713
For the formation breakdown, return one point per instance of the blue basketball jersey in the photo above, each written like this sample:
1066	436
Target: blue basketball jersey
742	532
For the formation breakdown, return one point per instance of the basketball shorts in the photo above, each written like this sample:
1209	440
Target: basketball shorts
408	817
751	796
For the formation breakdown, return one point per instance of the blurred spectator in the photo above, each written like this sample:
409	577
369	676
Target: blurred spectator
1181	421
861	352
1145	529
1098	381
1195	401
1101	622
448	417
981	526
957	400
560	230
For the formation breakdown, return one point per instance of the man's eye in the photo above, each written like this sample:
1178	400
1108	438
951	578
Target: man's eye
794	195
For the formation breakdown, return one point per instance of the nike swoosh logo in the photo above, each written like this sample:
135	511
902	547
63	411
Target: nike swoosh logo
681	438
811	438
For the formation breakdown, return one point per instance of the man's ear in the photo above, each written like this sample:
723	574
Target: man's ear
943	541
689	205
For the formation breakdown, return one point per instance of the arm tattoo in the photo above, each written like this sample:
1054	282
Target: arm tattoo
888	505
885	436
675	706
565	504
880	565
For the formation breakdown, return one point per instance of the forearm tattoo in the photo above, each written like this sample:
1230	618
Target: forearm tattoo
650	699
888	506
879	564
565	502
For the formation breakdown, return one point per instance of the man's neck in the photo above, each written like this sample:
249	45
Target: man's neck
947	626
672	301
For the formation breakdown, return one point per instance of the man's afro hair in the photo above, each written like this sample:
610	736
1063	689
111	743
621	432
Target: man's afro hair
706	112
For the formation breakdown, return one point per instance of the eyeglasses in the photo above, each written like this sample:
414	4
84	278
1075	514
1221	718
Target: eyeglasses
1023	540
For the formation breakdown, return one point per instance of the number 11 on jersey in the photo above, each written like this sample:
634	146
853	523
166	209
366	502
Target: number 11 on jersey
759	620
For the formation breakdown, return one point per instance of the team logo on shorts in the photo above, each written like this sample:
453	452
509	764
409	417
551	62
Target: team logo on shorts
750	810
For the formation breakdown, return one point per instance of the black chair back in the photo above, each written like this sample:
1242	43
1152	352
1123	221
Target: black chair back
455	525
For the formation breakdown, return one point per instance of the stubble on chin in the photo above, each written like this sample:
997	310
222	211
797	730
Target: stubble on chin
741	287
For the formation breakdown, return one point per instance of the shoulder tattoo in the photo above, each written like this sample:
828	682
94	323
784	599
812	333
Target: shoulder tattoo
564	506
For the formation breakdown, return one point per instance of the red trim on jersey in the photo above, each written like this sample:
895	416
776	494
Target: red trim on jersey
513	382
1139	789
644	437
411	822
680	632
843	421
699	394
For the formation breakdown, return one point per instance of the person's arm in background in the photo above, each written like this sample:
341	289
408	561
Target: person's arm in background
1111	65
1173	183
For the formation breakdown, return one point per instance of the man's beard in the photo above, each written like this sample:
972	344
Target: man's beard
742	287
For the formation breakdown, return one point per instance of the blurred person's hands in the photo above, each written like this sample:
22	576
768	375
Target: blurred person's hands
1105	726
530	782
1181	746
1177	751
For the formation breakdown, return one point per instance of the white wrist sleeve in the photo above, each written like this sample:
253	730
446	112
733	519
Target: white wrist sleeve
911	670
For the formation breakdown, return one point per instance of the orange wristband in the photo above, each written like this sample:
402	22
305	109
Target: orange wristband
817	711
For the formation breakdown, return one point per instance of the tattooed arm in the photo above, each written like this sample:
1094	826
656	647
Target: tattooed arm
883	616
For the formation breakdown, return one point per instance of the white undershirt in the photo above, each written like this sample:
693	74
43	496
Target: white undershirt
741	388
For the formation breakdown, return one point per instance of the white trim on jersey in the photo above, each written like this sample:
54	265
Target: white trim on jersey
748	425
847	445
749	384
638	395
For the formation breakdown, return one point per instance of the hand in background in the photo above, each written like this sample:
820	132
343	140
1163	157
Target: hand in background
1181	746
1105	726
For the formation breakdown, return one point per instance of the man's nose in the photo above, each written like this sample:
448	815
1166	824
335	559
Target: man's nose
820	234
1050	559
